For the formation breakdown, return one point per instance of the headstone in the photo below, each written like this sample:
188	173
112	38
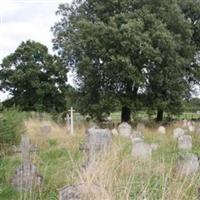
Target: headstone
177	132
114	132
162	130
26	176
97	142
125	129
191	128
141	151
187	164
136	139
45	128
140	127
185	123
185	142
82	191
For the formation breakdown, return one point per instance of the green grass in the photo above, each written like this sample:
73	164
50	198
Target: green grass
119	173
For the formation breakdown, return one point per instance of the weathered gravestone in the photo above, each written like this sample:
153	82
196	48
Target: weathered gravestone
45	128
125	129
26	176
140	149
185	142
177	132
83	191
187	164
114	131
162	130
140	127
97	143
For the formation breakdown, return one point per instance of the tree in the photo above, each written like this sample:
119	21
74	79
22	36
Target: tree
35	79
122	49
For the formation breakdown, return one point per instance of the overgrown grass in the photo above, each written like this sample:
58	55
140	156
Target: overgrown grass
60	161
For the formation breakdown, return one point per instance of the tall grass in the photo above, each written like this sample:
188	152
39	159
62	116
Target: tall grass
117	173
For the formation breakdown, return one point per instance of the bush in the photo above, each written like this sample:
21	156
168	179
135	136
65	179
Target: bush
11	126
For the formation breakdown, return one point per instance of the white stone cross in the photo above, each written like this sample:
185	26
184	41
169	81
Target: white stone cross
71	121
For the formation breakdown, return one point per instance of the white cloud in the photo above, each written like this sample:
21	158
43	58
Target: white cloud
21	20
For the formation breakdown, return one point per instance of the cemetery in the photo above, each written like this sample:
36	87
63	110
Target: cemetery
100	100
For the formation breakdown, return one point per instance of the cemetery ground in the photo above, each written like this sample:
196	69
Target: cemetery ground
59	159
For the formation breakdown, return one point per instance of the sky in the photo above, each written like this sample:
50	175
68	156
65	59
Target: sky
21	20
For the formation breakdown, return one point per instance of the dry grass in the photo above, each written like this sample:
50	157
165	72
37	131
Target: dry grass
118	175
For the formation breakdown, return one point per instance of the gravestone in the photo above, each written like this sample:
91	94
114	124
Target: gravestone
45	128
114	132
97	142
185	123
187	164
140	127
82	191
177	132
26	176
191	128
162	130
125	129
141	151
185	142
136	139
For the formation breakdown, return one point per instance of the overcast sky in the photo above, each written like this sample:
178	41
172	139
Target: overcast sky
21	20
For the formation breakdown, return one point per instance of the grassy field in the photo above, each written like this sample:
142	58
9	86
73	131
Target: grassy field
60	161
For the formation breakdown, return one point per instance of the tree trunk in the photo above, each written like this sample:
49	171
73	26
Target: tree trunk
125	114
159	115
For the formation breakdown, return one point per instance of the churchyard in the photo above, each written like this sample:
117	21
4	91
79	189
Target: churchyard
146	161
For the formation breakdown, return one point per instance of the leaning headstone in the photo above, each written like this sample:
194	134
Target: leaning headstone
97	142
185	142
177	132
141	151
187	164
162	130
26	176
82	191
125	129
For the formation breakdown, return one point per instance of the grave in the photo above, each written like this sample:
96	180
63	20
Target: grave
45	128
26	176
125	129
140	127
82	191
187	164
162	130
141	151
185	142
97	143
177	132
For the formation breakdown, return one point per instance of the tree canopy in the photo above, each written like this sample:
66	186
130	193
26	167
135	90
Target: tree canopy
129	52
35	79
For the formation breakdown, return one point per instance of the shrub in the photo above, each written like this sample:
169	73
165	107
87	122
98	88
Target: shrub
11	126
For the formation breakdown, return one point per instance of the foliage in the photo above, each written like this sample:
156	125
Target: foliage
35	79
124	50
11	126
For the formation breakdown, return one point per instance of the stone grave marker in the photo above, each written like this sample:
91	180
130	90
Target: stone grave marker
97	142
141	151
140	127
26	176
125	129
185	142
82	191
45	128
177	132
187	164
162	130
